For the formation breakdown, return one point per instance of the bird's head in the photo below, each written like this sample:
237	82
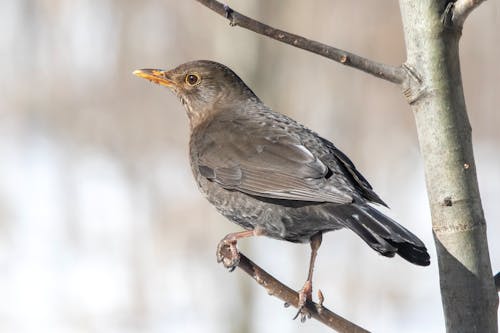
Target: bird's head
204	87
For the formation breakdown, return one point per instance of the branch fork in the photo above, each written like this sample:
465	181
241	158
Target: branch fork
461	10
406	76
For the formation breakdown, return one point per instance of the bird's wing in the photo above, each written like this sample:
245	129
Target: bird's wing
264	161
357	178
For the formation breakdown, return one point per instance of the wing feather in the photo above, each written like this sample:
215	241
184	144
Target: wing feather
268	163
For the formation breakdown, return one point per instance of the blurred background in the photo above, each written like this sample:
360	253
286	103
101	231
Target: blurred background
102	228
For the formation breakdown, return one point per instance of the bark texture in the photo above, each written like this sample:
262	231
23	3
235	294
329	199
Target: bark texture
431	81
468	292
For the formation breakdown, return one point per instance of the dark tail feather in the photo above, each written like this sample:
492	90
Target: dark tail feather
383	234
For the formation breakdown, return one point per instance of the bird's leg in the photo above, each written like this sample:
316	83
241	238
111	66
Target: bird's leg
230	242
305	293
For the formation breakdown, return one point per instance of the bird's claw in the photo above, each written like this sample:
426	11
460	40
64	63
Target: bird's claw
228	13
305	294
321	299
303	313
231	261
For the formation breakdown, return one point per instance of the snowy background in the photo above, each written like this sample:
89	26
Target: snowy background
101	226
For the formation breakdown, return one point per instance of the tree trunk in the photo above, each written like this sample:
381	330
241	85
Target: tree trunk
432	83
436	96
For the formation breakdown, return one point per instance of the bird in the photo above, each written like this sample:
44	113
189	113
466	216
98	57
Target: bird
272	175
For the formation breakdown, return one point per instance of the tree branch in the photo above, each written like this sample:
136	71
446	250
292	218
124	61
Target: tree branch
462	9
291	297
387	72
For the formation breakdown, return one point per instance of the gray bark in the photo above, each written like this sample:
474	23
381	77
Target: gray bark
432	83
436	96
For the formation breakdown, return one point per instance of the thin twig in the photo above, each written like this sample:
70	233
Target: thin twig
291	297
395	74
462	9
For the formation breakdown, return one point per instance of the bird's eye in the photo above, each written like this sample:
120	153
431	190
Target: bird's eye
193	79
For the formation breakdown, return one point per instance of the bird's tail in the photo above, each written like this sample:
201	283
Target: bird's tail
383	234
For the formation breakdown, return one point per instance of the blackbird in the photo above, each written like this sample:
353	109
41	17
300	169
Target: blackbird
273	176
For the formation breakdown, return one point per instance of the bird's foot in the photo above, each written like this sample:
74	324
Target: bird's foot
305	294
321	299
228	13
233	259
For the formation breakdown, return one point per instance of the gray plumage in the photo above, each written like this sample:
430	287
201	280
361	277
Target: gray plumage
261	169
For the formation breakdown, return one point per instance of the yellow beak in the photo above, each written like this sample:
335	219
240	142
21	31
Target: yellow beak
157	76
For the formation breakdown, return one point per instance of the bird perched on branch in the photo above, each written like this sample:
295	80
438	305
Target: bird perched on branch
273	176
